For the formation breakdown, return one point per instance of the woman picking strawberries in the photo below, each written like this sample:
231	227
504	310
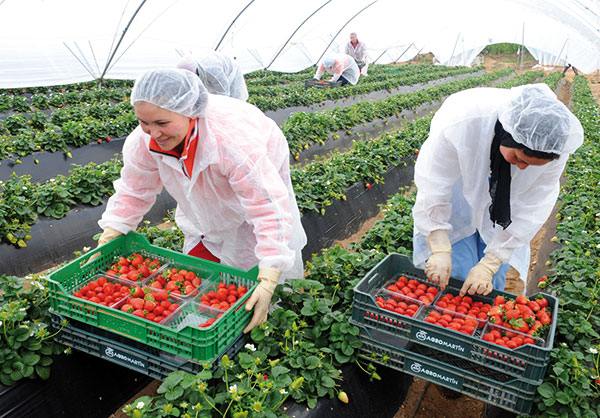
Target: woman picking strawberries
227	166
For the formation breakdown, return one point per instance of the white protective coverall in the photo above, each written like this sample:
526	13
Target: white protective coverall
452	177
359	53
219	73
238	195
343	65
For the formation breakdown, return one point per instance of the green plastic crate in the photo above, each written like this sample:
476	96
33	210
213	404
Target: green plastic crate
525	362
488	385
322	84
135	356
199	344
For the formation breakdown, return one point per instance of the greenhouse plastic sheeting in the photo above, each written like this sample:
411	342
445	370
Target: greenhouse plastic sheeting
63	41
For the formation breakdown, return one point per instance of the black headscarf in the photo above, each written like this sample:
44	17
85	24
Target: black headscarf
500	178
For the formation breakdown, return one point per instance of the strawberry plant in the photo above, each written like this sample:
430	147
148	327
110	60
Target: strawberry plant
271	98
26	343
525	78
251	384
572	384
53	199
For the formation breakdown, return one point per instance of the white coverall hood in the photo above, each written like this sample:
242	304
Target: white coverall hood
219	73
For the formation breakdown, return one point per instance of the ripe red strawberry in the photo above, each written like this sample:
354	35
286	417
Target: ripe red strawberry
149	305
161	295
133	275
127	308
138	312
137	303
136	292
522	299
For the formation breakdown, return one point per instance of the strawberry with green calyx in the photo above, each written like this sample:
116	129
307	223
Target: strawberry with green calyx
542	301
518	324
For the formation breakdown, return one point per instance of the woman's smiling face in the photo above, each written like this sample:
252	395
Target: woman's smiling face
167	128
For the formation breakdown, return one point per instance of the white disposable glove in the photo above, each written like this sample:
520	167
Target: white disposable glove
439	264
261	297
107	235
479	279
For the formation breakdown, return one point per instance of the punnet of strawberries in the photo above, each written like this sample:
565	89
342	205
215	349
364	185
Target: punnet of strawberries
134	267
518	321
153	305
459	313
178	282
103	290
224	297
406	296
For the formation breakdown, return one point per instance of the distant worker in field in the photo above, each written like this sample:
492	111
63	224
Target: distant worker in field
571	67
487	180
341	66
358	51
219	73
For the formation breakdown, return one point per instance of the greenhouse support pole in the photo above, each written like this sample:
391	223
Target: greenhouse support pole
454	49
293	33
404	52
559	54
231	24
345	24
522	48
112	55
380	55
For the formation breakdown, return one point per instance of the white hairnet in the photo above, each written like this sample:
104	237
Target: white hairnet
219	74
328	62
178	91
538	120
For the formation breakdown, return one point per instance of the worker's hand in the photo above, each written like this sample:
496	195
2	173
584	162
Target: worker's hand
107	235
261	297
479	279
439	265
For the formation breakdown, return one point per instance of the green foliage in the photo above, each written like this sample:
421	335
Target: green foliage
304	129
277	97
572	384
26	343
502	48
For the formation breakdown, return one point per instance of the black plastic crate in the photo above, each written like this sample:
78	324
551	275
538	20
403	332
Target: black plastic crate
464	376
526	362
134	355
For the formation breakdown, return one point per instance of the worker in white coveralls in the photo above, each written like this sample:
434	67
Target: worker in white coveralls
227	166
487	179
341	67
219	73
358	51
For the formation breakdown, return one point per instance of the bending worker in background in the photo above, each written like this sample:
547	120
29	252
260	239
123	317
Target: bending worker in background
341	66
358	51
227	166
219	74
487	179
